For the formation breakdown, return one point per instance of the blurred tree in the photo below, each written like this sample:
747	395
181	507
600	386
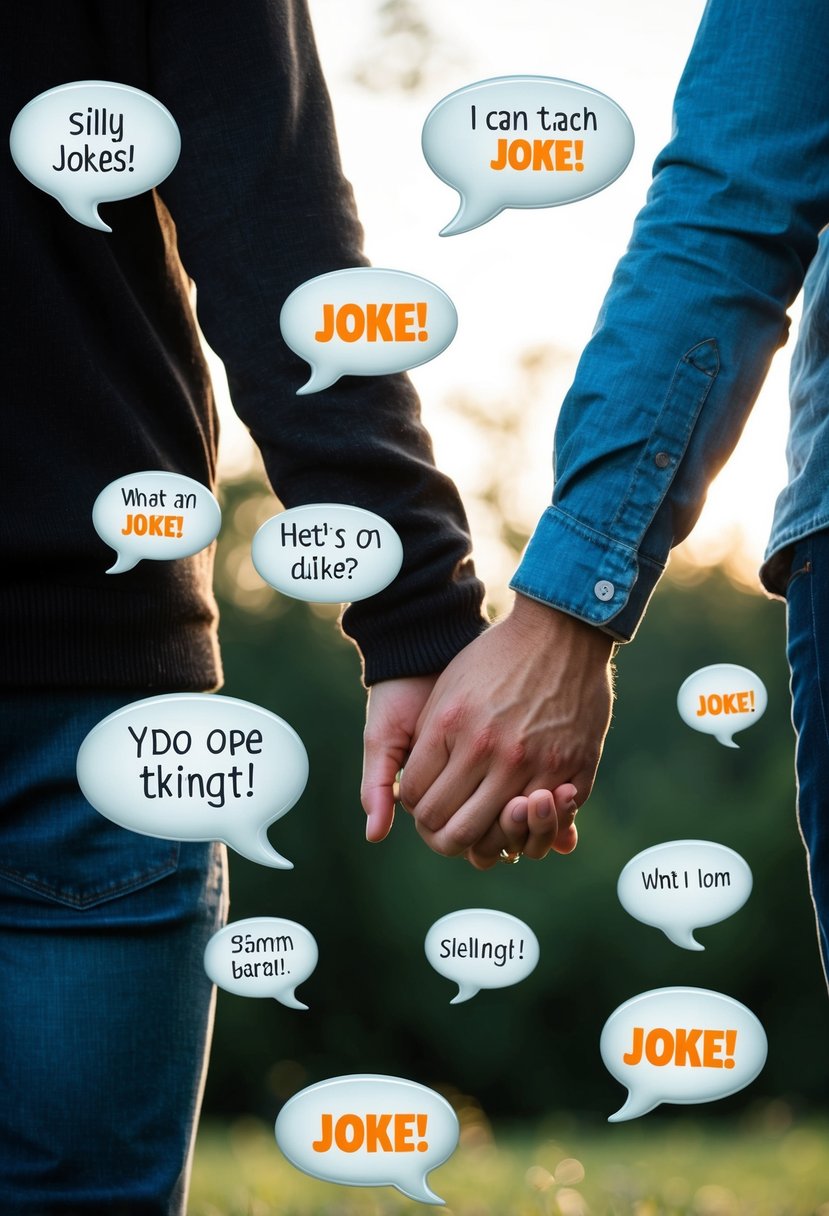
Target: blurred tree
404	53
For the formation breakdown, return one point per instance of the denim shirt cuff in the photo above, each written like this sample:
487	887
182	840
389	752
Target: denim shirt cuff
578	570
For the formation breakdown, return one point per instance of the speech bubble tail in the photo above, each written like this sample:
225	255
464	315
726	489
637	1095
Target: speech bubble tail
86	214
465	992
289	1000
633	1108
684	938
466	219
726	740
318	381
420	1192
123	563
262	851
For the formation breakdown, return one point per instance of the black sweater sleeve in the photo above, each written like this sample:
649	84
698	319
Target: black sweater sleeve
260	206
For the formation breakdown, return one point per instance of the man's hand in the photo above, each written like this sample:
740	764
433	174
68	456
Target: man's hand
391	716
524	708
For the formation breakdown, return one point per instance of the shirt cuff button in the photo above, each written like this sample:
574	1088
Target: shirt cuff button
604	590
662	460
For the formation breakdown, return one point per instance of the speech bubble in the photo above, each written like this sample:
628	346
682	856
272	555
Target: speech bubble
195	766
681	1045
94	141
481	948
158	516
263	956
366	322
721	700
367	1130
524	141
683	885
327	553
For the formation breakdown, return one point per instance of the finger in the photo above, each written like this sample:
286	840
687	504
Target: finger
452	787
476	819
491	849
542	824
430	754
381	765
533	836
567	836
509	832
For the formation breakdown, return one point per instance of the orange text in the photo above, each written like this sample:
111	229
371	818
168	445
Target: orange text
552	155
728	703
154	525
682	1048
374	323
372	1133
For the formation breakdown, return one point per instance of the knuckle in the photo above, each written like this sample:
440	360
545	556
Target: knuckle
482	745
451	717
430	818
374	738
437	843
561	759
462	835
515	755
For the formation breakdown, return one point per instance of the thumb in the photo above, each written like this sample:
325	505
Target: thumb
393	710
381	765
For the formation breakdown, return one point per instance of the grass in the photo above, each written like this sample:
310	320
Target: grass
767	1165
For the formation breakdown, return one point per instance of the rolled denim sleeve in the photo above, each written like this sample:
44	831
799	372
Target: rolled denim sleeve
696	309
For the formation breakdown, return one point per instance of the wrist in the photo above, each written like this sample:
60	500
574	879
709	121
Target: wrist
550	626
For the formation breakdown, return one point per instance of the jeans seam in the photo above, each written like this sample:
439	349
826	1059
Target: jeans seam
818	654
91	897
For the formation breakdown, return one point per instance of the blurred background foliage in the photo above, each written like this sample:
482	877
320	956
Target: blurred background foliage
375	1003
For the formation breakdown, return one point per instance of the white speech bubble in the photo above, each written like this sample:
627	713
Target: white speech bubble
681	1045
481	948
721	700
327	553
155	516
524	141
263	956
366	322
92	142
194	766
683	885
369	1130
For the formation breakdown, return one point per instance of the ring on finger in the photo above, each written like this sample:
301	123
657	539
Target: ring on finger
509	858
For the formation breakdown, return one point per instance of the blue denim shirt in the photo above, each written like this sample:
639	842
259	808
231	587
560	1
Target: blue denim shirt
695	311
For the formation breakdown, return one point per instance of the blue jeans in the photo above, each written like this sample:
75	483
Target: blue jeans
807	597
105	1009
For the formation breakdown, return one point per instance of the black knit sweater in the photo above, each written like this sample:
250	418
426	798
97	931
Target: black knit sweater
103	374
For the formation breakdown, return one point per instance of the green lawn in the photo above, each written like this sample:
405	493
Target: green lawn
768	1165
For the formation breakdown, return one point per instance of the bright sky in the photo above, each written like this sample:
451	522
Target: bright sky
528	280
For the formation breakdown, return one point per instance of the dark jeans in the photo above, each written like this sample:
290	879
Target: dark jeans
807	596
105	1009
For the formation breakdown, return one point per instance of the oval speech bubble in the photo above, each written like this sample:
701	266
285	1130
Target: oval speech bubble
524	141
195	766
158	516
94	141
721	700
327	553
681	1045
264	956
481	948
366	322
683	885
369	1130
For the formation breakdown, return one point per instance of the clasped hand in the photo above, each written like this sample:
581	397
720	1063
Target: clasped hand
500	750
